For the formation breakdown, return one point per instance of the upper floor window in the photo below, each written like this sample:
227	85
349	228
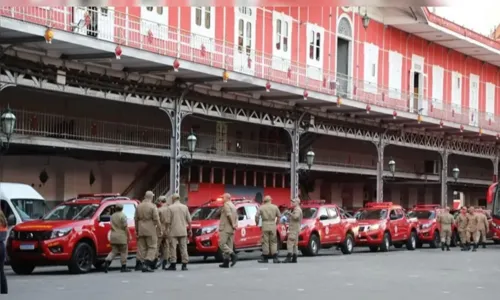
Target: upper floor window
204	17
282	35
315	45
245	10
244	36
282	41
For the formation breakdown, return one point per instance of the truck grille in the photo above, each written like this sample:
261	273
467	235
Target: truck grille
32	235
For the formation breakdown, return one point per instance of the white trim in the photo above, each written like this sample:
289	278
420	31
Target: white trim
371	55
350	75
281	58
315	65
474	99
490	90
158	24
240	62
456	102
463	38
200	34
395	74
437	92
348	18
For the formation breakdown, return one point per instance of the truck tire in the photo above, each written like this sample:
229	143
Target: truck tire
22	268
373	248
82	259
386	242
313	245
436	240
348	244
411	244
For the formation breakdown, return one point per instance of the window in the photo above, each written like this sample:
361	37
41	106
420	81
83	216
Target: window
314	49
395	74
149	8
154	20
315	45
251	211
371	68
203	27
129	210
322	212
245	11
437	86
333	213
282	33
456	92
104	11
490	101
242	215
6	209
244	36
159	10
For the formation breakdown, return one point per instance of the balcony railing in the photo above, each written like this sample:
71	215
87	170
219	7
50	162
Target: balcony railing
128	30
64	127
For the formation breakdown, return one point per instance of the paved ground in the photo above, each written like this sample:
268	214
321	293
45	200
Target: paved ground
399	274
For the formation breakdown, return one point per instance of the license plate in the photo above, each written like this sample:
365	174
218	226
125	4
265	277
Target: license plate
27	247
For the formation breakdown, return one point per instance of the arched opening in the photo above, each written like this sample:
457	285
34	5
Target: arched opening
344	57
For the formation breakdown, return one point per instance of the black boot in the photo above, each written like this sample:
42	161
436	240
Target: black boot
171	267
276	259
138	265
225	264
106	266
164	264
442	246
184	267
474	247
234	259
146	267
124	269
294	258
154	264
447	247
264	259
288	258
467	247
484	245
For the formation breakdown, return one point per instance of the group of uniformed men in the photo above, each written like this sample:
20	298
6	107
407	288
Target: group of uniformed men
472	226
160	230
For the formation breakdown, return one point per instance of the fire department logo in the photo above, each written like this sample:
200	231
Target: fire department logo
396	229
243	232
327	230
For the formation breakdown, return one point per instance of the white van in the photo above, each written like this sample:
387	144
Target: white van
20	203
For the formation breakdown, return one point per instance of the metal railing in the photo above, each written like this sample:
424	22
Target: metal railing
162	186
132	31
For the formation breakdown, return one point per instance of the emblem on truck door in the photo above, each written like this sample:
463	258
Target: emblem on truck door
243	232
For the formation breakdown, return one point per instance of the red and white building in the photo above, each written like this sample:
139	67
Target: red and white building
407	86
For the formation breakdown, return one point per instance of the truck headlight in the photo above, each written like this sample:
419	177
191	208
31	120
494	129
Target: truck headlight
426	226
303	227
374	227
57	233
207	230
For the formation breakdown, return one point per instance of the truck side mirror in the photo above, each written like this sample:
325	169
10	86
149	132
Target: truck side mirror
11	220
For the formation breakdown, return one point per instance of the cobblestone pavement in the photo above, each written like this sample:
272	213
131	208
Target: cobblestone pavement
399	274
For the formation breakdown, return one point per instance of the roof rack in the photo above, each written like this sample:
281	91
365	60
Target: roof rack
220	199
313	202
378	204
431	206
101	197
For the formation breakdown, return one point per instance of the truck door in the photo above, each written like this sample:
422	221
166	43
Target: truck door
253	231
325	226
403	225
103	230
393	225
241	235
336	227
129	211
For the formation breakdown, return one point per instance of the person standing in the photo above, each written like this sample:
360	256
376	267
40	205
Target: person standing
461	223
163	240
482	226
119	239
178	220
445	220
270	215
227	226
472	227
146	223
295	217
3	237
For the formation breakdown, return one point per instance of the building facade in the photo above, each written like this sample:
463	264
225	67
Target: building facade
406	86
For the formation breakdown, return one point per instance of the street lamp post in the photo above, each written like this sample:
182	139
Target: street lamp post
392	167
310	159
191	141
455	173
8	123
366	21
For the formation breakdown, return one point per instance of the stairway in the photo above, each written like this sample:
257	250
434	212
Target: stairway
153	175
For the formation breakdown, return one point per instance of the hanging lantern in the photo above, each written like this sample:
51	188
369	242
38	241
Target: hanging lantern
91	178
441	124
203	50
354	90
453	113
150	36
324	81
383	97
289	73
455	173
191	141
366	21
310	158
432	107
225	76
305	94
461	128
49	35
268	86
43	176
419	118
480	131
489	122
249	62
339	102
368	108
118	52
392	167
394	115
176	65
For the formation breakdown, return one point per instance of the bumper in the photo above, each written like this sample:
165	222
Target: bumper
495	234
50	252
364	239
426	236
206	244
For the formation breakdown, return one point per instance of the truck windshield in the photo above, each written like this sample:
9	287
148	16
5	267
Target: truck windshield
373	214
30	209
309	212
422	214
206	213
72	212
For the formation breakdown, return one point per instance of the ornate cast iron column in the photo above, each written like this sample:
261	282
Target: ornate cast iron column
295	135
444	175
380	168
495	161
